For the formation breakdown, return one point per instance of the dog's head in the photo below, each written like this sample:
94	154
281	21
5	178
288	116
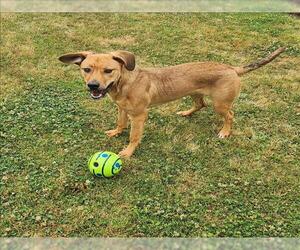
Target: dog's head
101	71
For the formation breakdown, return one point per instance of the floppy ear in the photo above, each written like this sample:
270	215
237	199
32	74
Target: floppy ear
126	58
75	58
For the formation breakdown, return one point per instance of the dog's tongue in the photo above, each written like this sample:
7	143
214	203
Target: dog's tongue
96	94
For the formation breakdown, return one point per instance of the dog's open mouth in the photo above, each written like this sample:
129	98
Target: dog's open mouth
97	94
100	93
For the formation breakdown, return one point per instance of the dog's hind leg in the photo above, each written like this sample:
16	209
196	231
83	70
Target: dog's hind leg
224	109
223	99
199	103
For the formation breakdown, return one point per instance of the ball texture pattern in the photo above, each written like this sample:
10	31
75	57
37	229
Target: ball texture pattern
104	164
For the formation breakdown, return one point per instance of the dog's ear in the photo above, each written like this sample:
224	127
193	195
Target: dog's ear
75	58
126	58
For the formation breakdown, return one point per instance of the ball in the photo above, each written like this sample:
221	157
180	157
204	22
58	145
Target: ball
104	164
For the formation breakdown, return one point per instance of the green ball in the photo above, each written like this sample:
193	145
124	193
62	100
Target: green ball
105	163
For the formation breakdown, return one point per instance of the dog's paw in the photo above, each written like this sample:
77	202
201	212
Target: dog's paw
223	134
113	132
184	113
126	153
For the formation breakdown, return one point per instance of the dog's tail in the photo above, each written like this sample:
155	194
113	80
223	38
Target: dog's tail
255	65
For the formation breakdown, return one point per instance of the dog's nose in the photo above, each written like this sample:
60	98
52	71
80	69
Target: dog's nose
93	85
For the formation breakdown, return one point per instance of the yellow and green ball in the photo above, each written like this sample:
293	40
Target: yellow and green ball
105	164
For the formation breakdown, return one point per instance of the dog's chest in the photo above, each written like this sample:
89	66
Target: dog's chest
123	102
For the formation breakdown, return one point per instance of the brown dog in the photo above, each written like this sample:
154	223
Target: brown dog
134	89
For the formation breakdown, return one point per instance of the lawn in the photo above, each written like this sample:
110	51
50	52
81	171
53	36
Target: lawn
182	181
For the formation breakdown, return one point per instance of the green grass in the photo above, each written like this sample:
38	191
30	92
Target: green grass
182	180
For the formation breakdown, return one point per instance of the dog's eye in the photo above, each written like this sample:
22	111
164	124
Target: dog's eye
108	71
87	70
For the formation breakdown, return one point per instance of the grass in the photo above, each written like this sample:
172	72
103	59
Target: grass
182	181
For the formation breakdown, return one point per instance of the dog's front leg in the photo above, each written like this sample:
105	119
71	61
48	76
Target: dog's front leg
136	132
121	124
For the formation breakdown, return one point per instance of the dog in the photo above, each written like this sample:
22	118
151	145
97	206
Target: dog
136	89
